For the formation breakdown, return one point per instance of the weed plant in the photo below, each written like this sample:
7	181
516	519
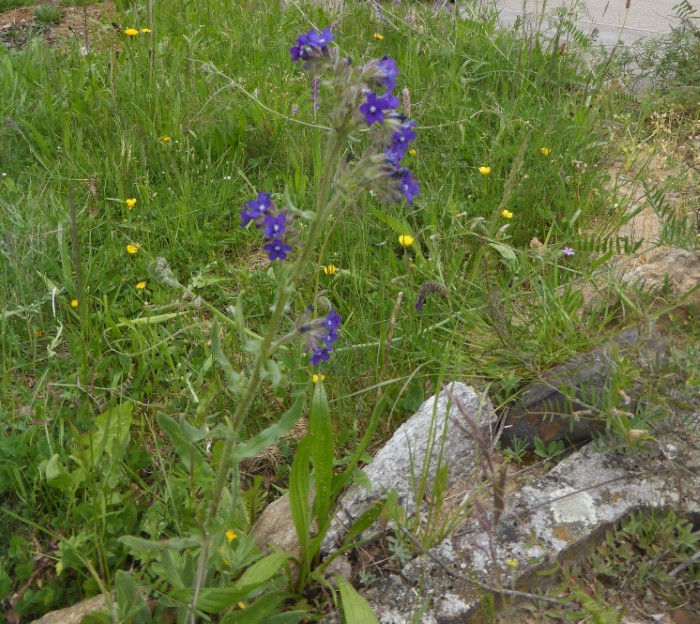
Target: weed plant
115	410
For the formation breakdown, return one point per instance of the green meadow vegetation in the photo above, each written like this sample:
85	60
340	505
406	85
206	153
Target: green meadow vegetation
140	381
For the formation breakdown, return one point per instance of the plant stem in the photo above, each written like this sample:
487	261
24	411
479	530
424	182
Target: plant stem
324	208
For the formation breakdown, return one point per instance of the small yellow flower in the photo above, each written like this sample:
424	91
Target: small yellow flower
545	151
315	378
140	285
145	31
132	249
165	138
131	32
231	535
378	36
512	563
241	605
507	214
38	333
405	240
74	303
413	152
329	269
130	203
484	170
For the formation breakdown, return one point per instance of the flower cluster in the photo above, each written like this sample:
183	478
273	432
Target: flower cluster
276	225
367	101
320	333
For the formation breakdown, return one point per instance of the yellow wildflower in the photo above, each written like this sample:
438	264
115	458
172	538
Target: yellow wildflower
241	605
413	152
484	170
74	303
130	203
131	32
145	30
507	214
378	36
38	333
231	535
512	563
165	138
329	269
315	378
406	240
132	249
140	285
545	151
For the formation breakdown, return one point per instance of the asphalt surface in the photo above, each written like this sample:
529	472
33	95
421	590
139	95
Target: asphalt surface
642	20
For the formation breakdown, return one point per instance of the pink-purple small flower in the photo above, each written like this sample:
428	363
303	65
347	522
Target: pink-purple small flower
567	251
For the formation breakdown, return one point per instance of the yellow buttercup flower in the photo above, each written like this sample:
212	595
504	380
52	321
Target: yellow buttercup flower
315	378
329	269
140	285
406	240
545	151
484	170
145	30
507	214
38	333
131	32
74	303
231	535
130	203
413	152
378	36
165	138
132	249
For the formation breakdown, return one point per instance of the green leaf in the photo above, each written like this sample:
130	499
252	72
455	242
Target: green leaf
139	545
111	435
233	376
56	475
366	520
264	569
132	606
263	610
270	435
150	320
321	435
188	452
355	607
299	477
506	252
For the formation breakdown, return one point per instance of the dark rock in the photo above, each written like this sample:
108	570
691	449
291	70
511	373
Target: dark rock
565	404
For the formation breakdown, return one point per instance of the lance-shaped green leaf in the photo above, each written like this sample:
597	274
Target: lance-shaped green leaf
321	435
355	607
233	377
191	456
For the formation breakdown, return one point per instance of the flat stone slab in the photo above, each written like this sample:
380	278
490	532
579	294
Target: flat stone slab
560	515
426	440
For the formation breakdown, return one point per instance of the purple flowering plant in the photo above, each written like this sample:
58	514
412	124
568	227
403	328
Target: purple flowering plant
361	107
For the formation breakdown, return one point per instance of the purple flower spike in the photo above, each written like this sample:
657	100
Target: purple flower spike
390	72
277	249
275	226
319	354
255	208
409	187
373	109
308	43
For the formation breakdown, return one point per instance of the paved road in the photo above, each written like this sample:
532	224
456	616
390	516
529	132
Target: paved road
643	19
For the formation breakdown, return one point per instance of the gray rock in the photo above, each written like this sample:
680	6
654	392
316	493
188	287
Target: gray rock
430	434
76	613
546	408
561	515
677	270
